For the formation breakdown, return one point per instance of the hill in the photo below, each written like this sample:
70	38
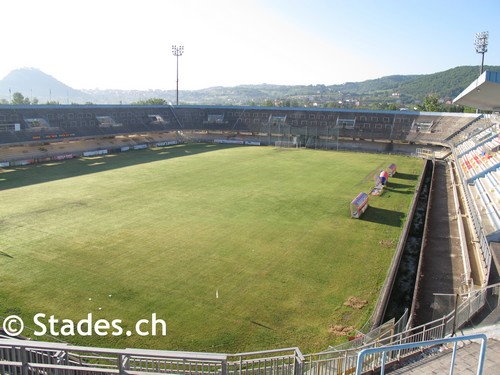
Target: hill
403	89
33	83
447	84
400	89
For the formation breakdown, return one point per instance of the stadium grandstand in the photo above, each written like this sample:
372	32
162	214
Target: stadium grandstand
465	146
23	124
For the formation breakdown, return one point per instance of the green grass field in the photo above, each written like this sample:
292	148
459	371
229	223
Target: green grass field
164	230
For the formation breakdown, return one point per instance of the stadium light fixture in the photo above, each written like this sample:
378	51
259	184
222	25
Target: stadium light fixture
177	51
481	45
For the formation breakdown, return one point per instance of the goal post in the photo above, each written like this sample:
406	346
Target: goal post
287	144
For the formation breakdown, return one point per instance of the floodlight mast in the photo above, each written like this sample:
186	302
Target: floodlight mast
177	51
481	45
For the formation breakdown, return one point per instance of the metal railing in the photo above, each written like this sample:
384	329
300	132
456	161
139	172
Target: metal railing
374	358
33	358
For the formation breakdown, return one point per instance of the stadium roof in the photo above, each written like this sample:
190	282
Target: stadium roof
483	93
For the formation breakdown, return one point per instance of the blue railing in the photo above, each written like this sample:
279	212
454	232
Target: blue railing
379	357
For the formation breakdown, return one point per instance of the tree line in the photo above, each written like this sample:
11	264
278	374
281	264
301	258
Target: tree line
19	99
431	103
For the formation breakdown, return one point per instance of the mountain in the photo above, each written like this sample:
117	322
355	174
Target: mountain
400	89
33	83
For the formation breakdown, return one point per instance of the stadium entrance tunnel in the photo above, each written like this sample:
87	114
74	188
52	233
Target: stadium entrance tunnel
403	288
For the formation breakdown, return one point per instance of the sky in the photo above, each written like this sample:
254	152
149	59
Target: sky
127	44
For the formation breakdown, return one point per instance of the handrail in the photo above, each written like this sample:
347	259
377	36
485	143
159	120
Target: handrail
422	344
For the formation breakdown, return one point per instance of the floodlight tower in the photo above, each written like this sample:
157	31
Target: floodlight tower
481	45
177	51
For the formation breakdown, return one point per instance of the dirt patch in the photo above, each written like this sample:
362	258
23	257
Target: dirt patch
386	243
339	330
356	303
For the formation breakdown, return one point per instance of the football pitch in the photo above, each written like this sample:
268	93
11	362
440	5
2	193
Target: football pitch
235	248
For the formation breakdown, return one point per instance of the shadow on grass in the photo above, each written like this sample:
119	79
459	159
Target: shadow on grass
406	176
6	255
383	216
410	192
15	177
396	186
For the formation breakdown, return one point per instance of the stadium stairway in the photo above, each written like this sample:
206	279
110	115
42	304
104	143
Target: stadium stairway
438	360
